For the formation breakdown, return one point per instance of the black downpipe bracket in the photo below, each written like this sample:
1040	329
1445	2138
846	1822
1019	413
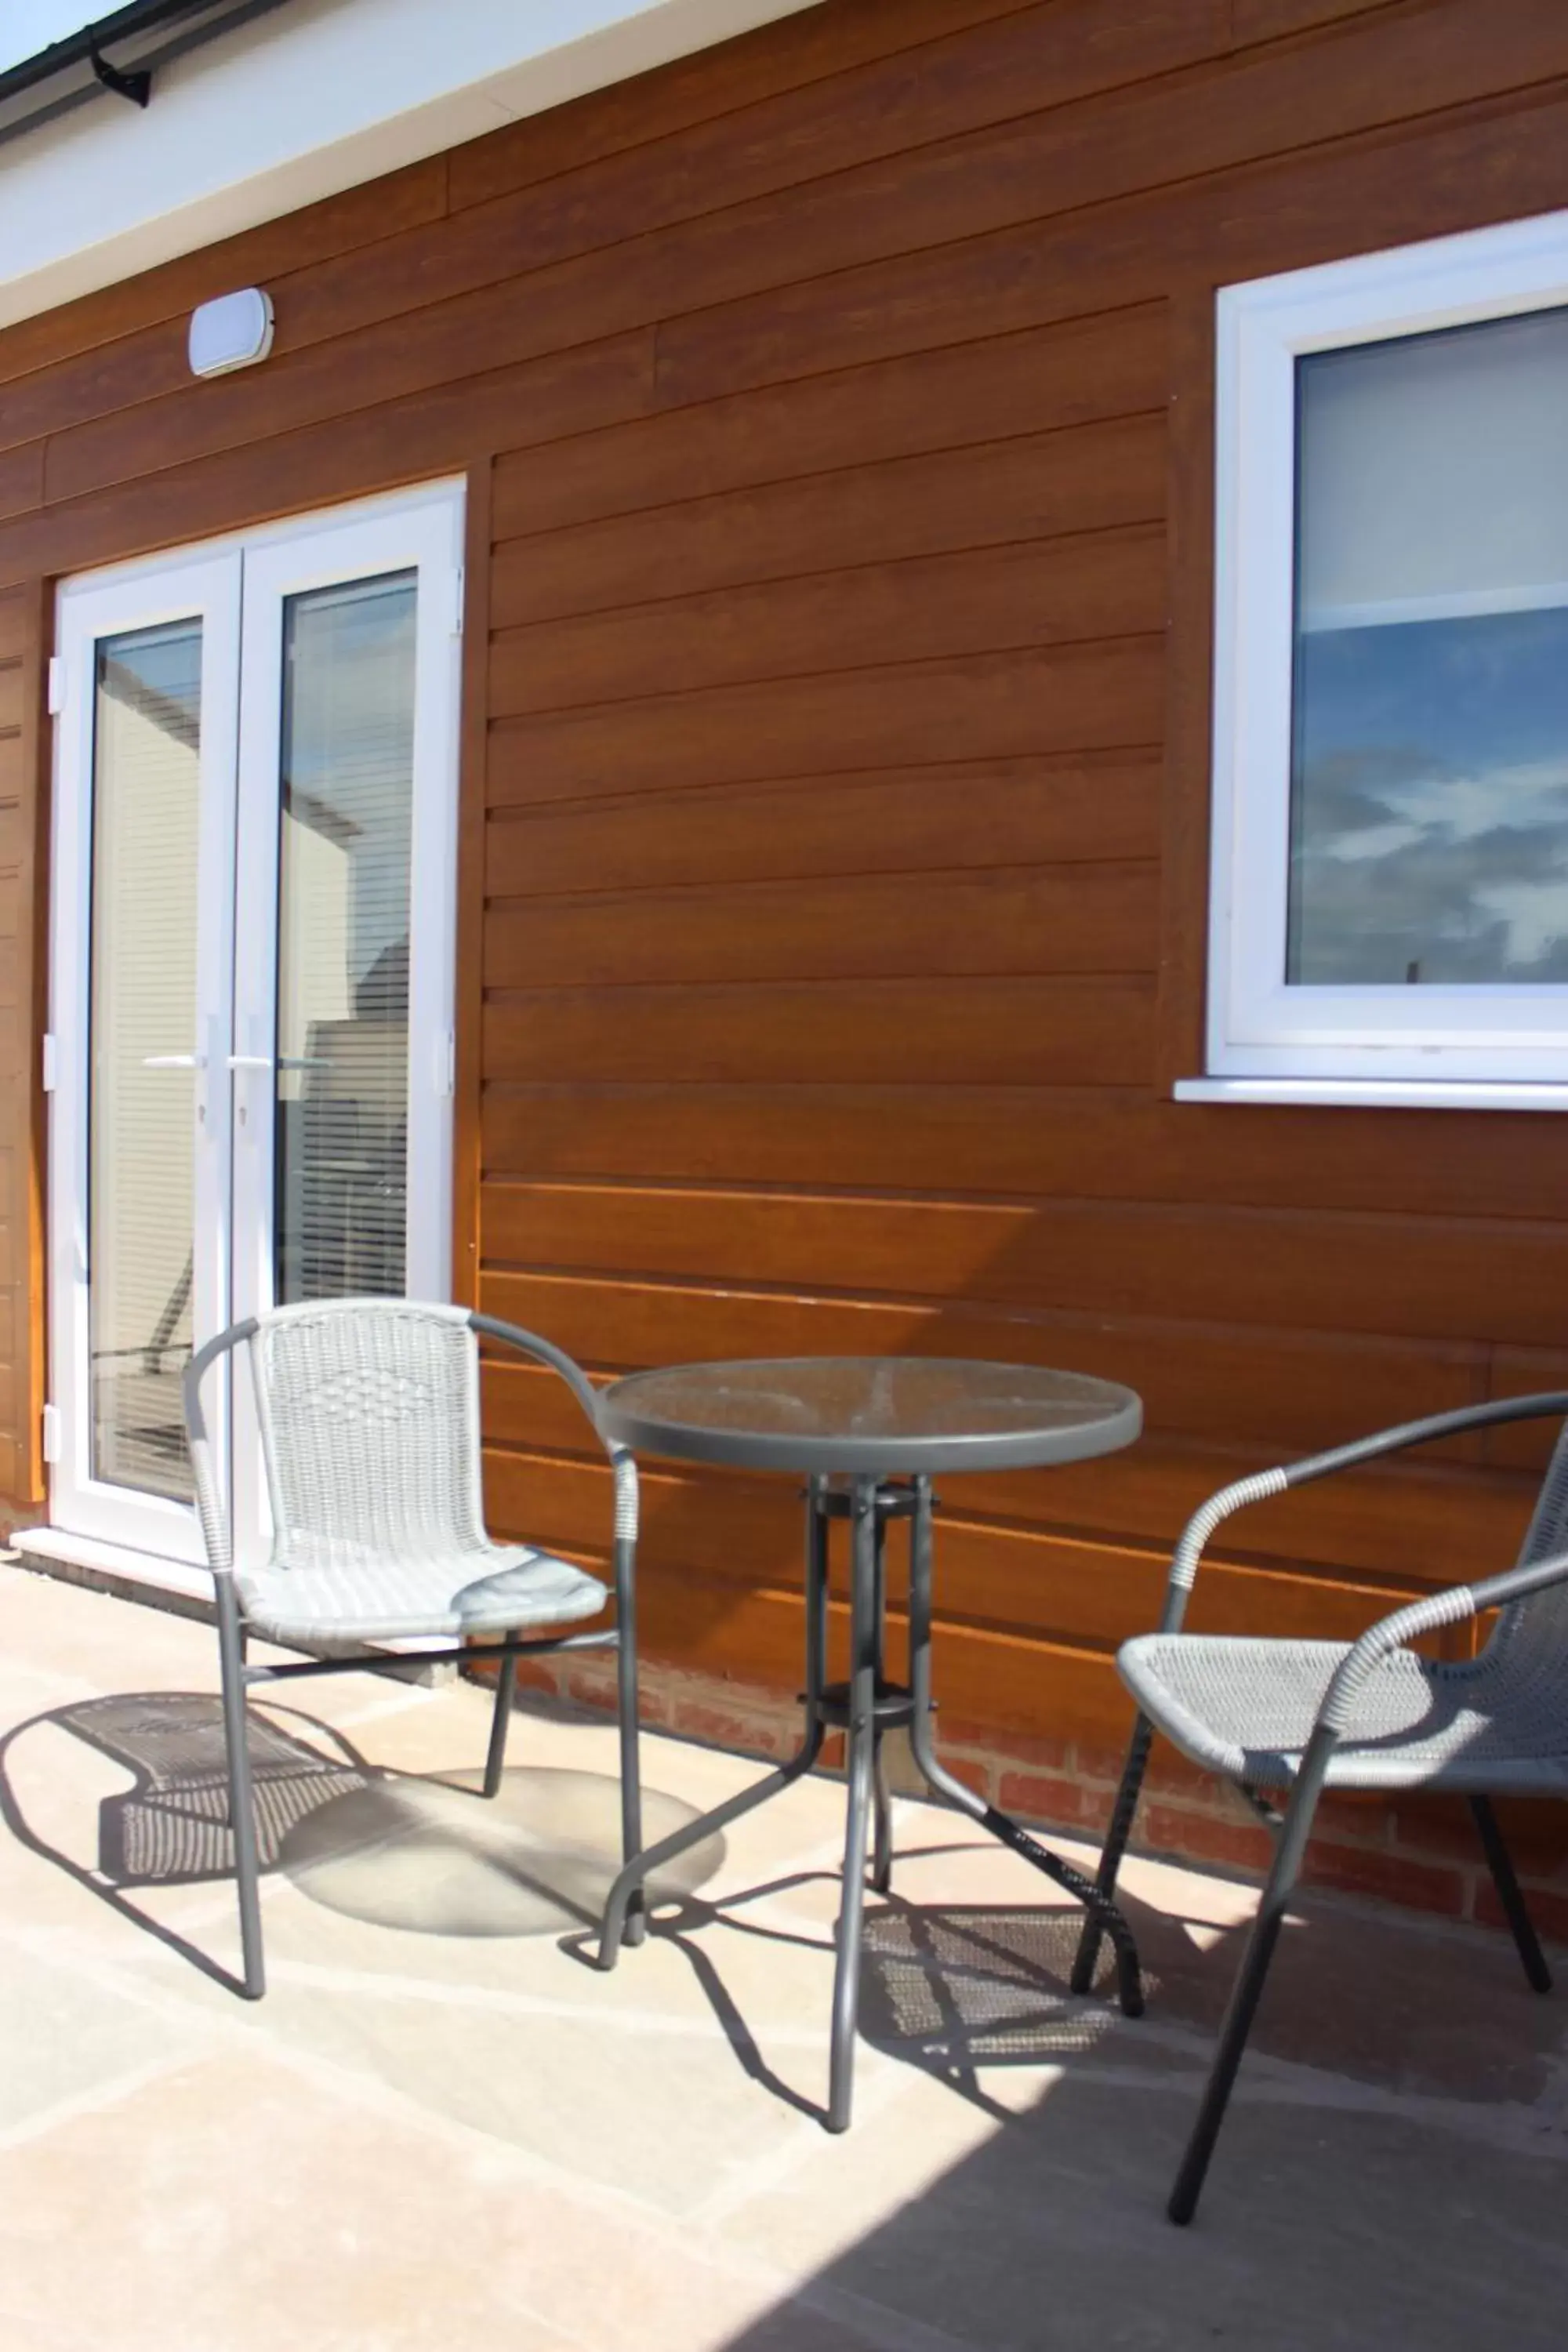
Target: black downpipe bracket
137	87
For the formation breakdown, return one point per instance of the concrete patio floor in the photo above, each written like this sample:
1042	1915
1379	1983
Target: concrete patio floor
441	2131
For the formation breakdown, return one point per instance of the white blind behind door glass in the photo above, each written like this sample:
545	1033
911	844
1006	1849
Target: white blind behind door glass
342	950
146	811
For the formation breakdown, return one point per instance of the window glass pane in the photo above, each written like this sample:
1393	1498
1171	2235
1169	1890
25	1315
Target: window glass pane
146	797
1429	771
342	971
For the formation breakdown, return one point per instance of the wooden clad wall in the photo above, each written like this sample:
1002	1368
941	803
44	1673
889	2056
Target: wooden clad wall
836	407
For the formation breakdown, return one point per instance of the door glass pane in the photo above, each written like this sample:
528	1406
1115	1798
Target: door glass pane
141	1188
343	950
1429	788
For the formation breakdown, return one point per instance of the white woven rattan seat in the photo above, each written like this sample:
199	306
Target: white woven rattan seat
380	1600
370	1421
1246	1709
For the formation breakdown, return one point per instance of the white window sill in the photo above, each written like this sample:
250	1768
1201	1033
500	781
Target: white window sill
1378	1094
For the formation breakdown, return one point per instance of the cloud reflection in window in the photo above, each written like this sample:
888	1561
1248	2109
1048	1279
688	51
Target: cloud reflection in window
1429	803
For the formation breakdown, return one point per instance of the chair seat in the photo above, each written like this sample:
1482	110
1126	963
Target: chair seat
1246	1709
500	1589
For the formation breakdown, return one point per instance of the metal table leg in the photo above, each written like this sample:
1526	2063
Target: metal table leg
1101	1910
867	1706
881	1796
653	1857
863	1741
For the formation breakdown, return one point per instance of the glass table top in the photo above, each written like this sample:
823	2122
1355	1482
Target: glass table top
872	1414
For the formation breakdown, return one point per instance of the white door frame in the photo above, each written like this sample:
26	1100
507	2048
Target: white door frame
237	586
196	588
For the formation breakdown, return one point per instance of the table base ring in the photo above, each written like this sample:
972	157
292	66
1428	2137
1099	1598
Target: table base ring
894	1705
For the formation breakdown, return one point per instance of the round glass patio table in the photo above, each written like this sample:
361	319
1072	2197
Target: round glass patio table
870	1434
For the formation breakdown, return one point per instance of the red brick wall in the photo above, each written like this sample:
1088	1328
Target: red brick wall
1427	1858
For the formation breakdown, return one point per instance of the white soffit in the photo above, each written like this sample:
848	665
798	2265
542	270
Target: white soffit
305	101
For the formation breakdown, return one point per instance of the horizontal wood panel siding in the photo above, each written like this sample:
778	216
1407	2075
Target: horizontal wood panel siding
1411	1524
876	1030
945	817
1289	1390
1087	587
1091	918
839	407
1034	488
829	437
1339	1274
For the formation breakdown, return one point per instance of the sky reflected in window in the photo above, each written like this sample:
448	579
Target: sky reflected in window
1429	803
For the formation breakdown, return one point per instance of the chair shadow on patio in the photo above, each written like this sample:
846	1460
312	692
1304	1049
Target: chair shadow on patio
967	1993
955	1988
946	1987
962	1990
424	1853
1392	2170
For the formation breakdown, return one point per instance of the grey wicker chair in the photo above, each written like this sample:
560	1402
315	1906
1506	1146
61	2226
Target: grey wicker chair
1292	1719
369	1412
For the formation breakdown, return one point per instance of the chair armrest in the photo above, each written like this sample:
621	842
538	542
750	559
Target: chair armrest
544	1351
1196	1534
1402	1626
1538	1407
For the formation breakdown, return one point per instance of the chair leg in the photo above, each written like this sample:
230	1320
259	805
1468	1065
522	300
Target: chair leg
881	1823
1250	1977
628	1712
1243	2007
1115	1846
241	1798
1500	1861
500	1723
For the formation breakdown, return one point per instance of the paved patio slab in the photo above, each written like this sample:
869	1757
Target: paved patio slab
441	2129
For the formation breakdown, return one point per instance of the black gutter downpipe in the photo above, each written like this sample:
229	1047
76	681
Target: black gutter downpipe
153	31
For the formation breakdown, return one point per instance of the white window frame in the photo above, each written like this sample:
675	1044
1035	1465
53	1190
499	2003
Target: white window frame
1268	1041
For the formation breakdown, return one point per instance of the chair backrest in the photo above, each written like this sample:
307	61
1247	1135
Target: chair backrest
1534	1633
370	1425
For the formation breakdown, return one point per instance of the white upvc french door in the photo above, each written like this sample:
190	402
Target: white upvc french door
140	1134
253	950
344	946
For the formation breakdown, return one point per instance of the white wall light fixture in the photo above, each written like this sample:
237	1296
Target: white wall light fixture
234	332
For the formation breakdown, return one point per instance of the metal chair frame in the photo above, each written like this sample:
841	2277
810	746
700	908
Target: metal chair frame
238	1675
1543	1563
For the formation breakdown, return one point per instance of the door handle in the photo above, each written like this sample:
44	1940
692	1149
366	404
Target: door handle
173	1061
278	1062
